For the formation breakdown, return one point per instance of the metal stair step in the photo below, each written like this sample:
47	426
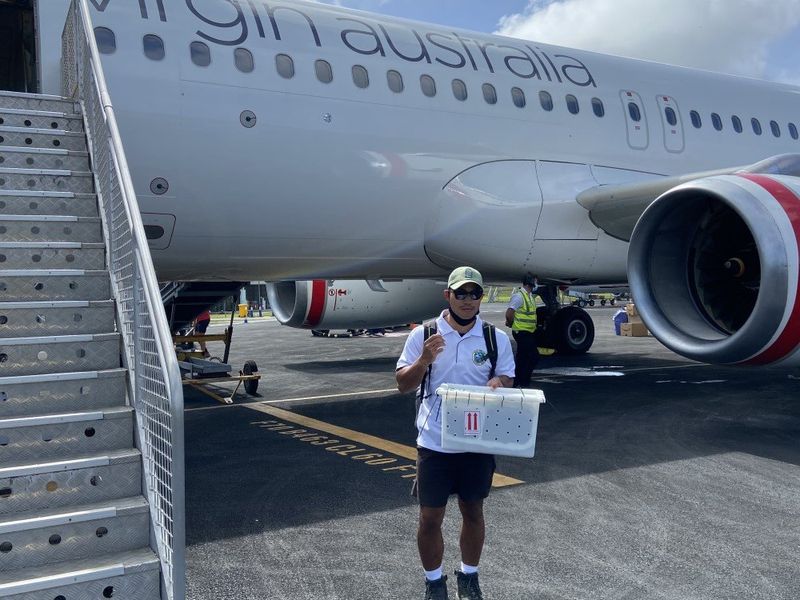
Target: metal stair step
15	202
81	182
73	533
50	228
22	101
70	482
43	158
50	437
67	317
28	395
61	354
52	255
42	138
40	119
56	285
132	575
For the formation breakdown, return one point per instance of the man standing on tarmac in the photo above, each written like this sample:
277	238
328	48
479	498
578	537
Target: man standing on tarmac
521	317
455	352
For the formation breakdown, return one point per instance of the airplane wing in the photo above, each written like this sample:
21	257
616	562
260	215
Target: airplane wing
616	208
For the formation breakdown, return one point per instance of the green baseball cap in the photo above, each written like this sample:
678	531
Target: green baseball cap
463	275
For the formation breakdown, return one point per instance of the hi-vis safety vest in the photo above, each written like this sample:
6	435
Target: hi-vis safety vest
525	315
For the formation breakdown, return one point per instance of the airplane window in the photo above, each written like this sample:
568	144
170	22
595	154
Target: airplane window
201	54
489	93
546	100
428	85
672	118
598	108
324	71
696	120
360	77
395	81
285	65
716	121
106	40
793	131
776	129
244	60
518	96
737	124
634	111
154	232
756	126
459	89
153	47
572	104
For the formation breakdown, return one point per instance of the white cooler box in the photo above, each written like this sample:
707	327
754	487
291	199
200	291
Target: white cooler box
479	419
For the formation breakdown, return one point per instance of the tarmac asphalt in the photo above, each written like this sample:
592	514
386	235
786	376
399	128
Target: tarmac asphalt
654	478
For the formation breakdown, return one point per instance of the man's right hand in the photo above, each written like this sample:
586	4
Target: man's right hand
432	348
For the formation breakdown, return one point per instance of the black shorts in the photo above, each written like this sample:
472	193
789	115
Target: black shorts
201	326
439	475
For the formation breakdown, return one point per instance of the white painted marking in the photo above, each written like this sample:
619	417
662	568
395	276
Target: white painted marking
299	399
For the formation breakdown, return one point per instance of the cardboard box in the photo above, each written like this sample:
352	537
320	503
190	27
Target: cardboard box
630	308
634	330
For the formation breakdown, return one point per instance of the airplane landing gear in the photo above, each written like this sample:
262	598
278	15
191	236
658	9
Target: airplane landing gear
569	329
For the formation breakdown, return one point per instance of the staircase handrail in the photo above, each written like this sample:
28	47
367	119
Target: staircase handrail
155	387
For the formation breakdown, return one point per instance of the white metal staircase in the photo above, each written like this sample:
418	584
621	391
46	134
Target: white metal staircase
91	455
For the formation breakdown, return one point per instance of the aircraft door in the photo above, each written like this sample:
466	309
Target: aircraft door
635	120
673	126
17	47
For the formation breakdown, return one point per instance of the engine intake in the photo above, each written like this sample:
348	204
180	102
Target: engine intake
713	268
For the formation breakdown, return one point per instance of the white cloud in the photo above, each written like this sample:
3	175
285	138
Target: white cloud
731	36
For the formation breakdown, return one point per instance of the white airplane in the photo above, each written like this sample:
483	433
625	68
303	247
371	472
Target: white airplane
285	140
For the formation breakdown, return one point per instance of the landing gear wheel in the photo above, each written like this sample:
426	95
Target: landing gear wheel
571	331
250	385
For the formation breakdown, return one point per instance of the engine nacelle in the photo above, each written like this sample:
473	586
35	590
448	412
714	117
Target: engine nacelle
322	304
713	268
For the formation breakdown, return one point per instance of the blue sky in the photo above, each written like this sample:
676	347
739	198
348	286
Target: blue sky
755	38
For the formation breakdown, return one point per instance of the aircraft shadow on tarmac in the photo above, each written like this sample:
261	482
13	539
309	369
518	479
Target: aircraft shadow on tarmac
242	479
367	365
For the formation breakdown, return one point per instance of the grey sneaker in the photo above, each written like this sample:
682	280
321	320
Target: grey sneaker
468	587
436	590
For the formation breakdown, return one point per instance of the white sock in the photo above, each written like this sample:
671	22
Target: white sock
433	575
468	569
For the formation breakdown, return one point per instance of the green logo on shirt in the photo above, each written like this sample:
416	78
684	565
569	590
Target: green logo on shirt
479	357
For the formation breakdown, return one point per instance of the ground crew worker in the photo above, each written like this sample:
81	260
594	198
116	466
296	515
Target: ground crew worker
521	317
456	353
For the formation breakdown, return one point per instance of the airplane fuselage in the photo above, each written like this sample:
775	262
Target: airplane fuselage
333	156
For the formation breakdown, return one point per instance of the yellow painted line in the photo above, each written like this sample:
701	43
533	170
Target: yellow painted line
298	399
362	438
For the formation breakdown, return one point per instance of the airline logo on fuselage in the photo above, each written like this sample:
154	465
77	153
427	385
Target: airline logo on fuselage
370	37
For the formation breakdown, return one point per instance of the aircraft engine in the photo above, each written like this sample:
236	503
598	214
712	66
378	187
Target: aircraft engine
713	268
323	304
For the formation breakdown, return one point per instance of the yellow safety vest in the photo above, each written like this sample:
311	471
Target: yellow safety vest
525	315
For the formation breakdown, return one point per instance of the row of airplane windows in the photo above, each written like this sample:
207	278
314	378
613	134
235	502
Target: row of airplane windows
200	52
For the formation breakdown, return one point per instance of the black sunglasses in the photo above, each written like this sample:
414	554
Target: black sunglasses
475	294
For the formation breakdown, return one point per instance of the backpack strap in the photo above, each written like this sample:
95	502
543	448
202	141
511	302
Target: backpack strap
430	329
490	338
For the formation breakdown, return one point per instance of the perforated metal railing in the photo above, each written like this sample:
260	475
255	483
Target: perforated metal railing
155	382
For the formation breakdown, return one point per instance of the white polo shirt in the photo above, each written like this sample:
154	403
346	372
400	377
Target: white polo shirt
463	361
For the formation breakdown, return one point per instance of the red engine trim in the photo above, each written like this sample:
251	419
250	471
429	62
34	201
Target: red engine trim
319	289
787	342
